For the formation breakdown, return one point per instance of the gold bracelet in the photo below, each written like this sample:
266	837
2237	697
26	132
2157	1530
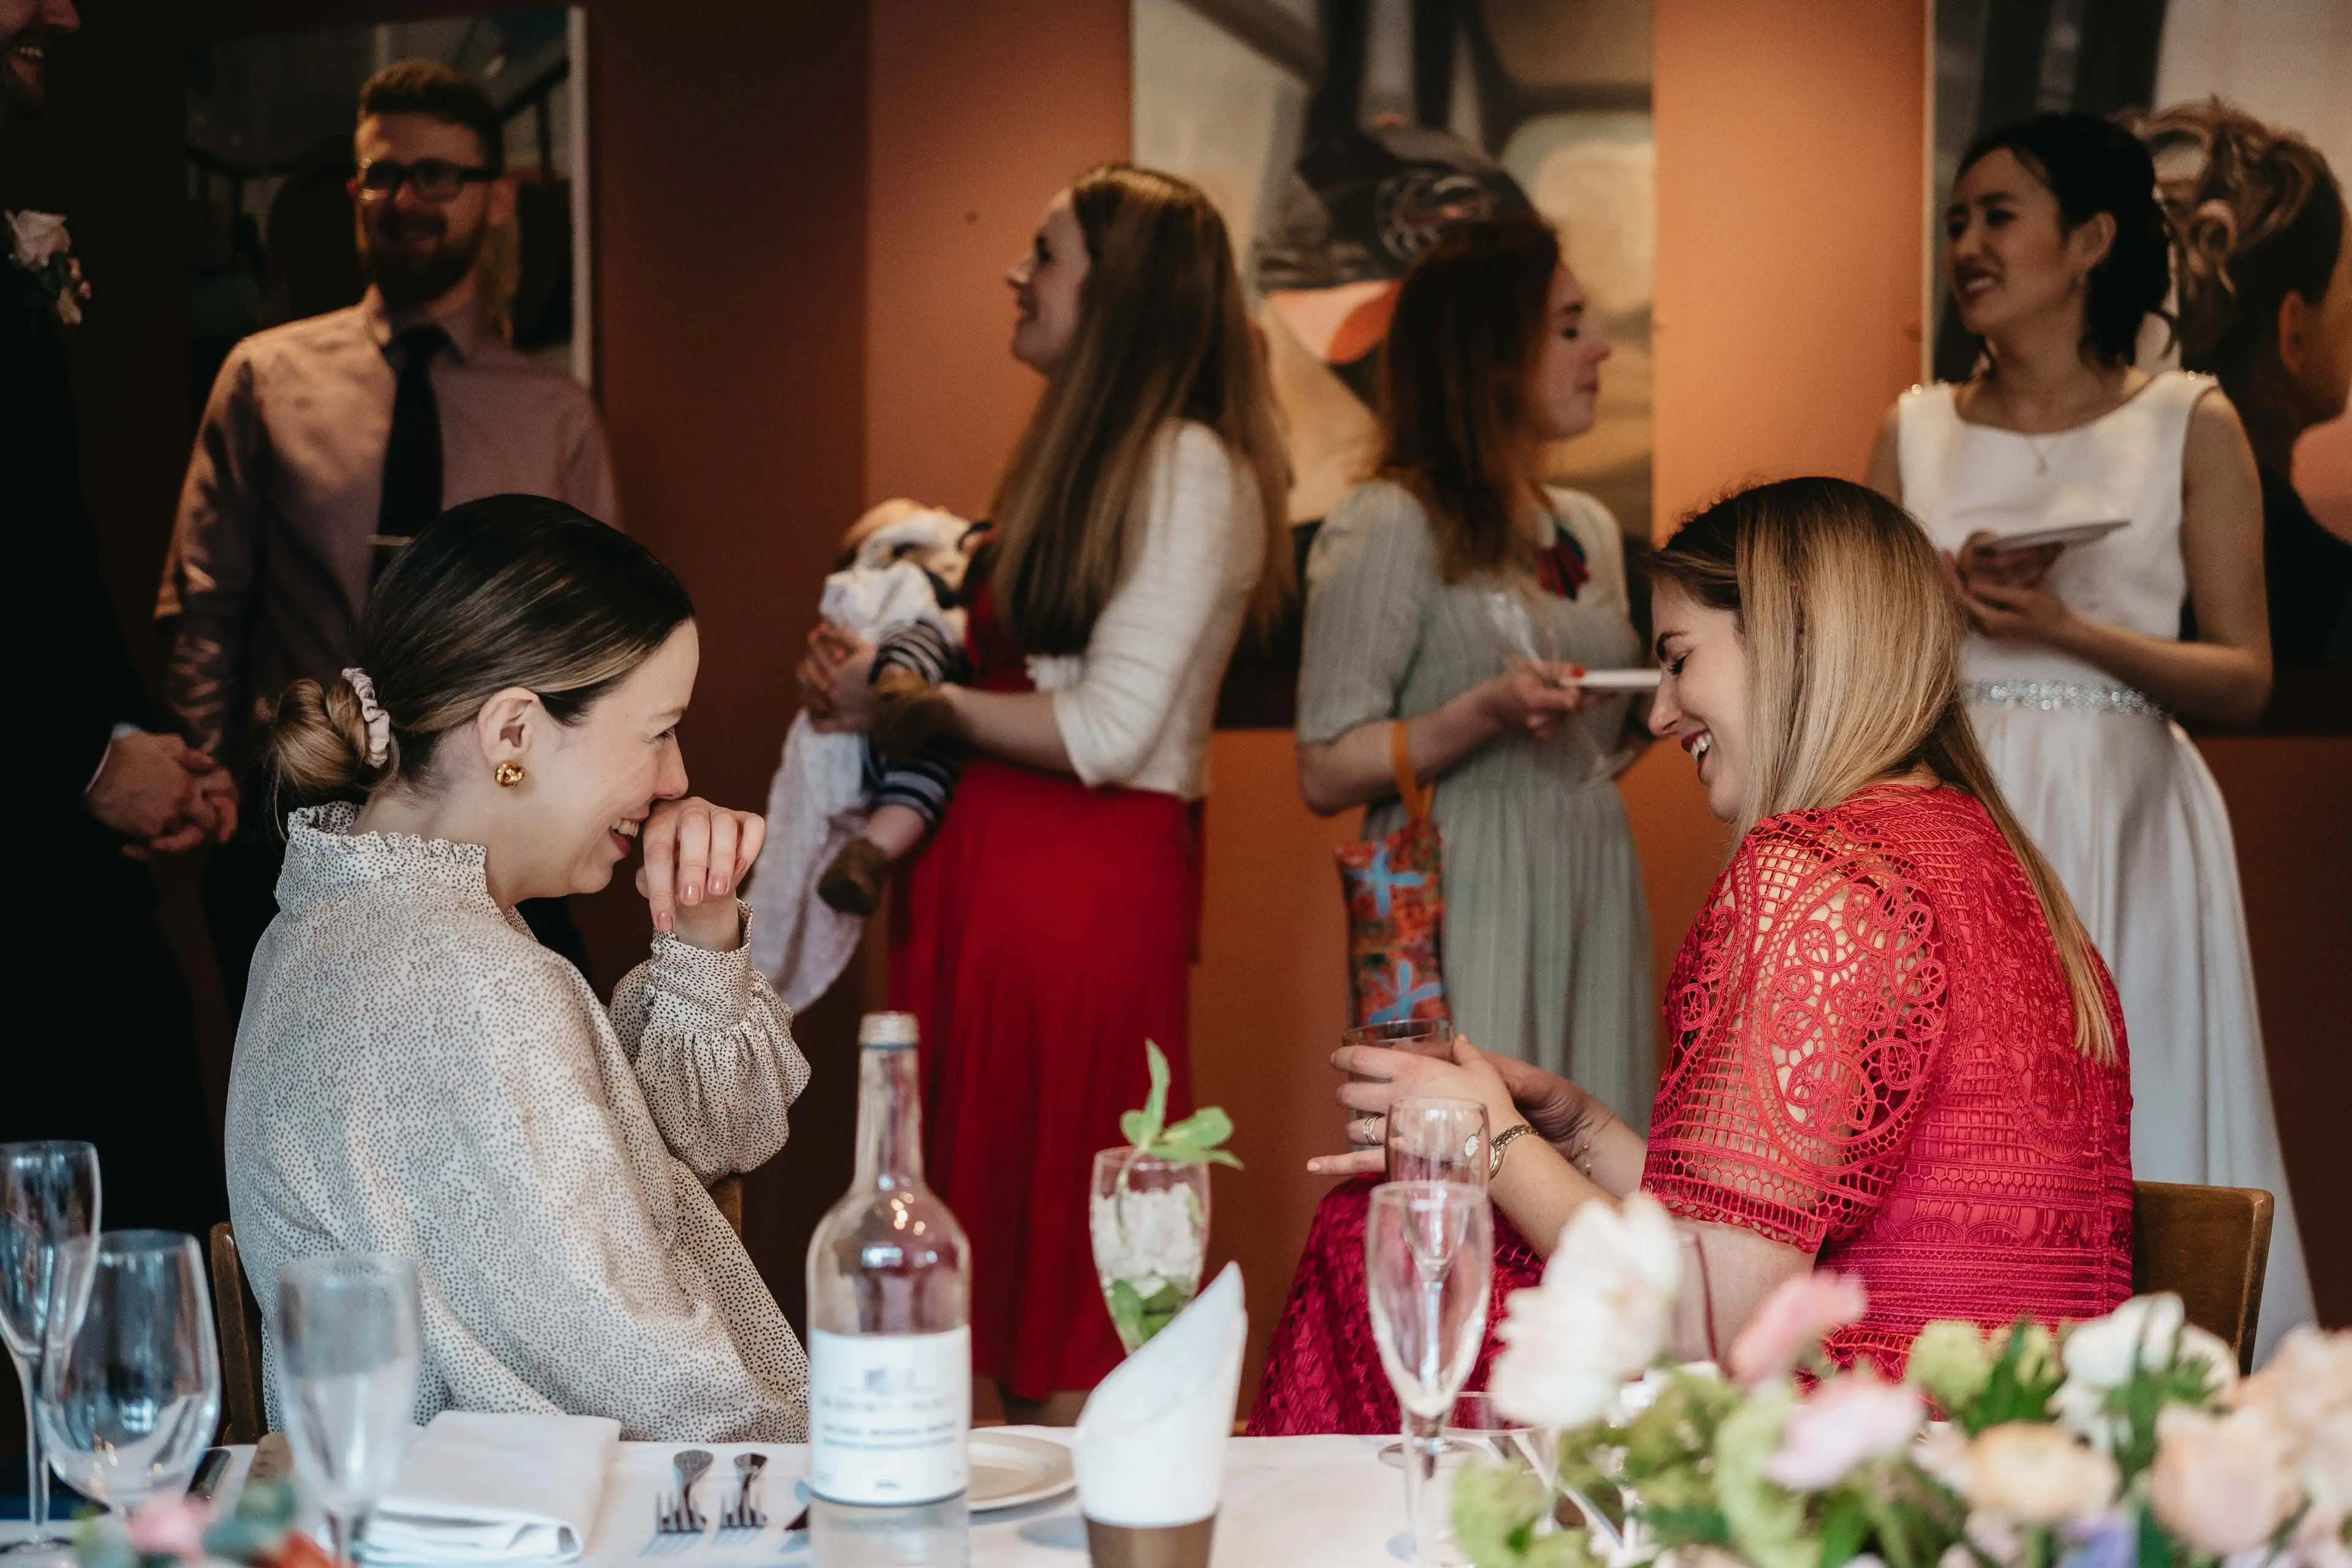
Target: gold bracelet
1503	1142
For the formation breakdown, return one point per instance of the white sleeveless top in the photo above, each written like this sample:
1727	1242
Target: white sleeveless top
1958	478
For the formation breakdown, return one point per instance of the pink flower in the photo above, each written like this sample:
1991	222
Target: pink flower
171	1527
2221	1483
1848	1420
1792	1321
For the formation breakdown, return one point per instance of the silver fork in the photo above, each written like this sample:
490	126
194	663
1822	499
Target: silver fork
742	1515
678	1517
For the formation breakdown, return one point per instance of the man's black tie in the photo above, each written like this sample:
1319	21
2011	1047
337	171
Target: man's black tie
412	457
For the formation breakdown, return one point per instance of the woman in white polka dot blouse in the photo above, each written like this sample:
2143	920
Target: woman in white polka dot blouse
415	1074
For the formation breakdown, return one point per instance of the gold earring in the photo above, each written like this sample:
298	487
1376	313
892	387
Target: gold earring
509	775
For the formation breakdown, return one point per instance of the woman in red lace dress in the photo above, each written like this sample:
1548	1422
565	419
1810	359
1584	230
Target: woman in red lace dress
1894	1051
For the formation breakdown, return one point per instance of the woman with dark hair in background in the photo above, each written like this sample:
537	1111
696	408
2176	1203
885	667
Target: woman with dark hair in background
416	1074
1050	922
2266	308
2058	255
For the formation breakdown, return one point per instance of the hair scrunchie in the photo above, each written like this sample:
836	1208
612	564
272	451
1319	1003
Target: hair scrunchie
371	714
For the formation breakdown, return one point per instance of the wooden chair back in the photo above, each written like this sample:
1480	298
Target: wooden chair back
727	1192
2208	1245
244	1416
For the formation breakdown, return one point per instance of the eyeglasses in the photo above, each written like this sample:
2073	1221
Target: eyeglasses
432	179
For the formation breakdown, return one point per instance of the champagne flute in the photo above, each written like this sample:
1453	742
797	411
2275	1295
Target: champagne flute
1433	1139
1428	1270
48	1196
131	1393
350	1347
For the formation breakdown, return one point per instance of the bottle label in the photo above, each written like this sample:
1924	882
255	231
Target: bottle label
888	1415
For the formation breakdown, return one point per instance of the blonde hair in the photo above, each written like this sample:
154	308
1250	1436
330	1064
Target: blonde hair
507	591
1853	640
1163	334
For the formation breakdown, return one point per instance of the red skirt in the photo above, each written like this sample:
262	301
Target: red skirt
1048	934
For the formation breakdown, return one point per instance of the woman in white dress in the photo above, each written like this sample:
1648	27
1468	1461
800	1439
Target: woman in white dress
2057	255
415	1074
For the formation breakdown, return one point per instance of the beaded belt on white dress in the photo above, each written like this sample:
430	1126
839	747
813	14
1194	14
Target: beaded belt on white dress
2052	694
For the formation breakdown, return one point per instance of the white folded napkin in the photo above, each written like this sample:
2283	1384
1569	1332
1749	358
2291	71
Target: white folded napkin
1150	1446
478	1486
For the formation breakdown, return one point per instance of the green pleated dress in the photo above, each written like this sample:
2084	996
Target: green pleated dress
1546	946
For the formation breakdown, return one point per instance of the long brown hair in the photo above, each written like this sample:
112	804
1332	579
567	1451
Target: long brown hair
1163	335
1455	387
1853	640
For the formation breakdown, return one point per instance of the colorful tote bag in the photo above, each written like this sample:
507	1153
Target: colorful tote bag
1396	908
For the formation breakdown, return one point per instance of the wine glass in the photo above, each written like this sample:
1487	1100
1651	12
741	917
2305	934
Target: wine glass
48	1195
1432	1139
350	1348
1428	1270
1149	1221
130	1394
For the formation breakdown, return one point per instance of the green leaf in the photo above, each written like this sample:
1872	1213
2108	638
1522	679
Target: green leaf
1205	1128
1155	1104
1130	1126
1843	1530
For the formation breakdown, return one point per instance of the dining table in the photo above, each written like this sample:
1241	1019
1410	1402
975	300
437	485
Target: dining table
1300	1502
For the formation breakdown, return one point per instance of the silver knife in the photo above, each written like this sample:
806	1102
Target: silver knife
209	1475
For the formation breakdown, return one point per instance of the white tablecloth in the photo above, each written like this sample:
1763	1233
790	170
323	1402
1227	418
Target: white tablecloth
1303	1502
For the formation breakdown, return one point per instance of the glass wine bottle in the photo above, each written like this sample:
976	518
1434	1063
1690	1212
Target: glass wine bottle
889	1283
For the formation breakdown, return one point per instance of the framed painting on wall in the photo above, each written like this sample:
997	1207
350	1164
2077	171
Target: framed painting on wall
269	121
1339	137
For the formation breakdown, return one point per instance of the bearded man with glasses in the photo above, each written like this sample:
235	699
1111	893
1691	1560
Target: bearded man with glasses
328	442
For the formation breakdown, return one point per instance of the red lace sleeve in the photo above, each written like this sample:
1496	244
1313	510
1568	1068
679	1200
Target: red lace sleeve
1804	1015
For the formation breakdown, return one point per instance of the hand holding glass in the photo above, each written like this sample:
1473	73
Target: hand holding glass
350	1348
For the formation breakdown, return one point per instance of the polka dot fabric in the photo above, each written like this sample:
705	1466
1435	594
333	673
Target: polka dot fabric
414	1074
1872	1059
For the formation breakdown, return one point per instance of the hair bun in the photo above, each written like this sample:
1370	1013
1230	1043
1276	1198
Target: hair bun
319	742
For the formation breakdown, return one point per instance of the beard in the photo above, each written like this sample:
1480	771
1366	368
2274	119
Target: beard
24	82
414	258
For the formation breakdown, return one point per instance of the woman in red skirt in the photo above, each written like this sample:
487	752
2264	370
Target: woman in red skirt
1048	929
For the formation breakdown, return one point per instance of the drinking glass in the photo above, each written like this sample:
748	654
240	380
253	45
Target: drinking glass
48	1196
1432	1139
1428	1270
130	1394
348	1348
1149	1221
1422	1037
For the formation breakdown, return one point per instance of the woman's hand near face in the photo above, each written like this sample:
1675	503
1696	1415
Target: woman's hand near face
835	680
696	856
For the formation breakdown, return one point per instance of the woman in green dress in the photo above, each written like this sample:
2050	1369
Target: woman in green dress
1457	594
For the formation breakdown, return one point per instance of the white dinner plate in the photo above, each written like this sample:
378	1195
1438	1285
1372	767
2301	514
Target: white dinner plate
2058	533
1616	680
1009	1470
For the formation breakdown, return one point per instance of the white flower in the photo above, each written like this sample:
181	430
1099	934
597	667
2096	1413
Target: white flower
1600	1316
2306	1389
1848	1420
2221	1483
37	237
2028	1473
1148	1234
2105	1353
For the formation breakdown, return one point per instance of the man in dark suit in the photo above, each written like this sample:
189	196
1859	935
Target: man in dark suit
103	1047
